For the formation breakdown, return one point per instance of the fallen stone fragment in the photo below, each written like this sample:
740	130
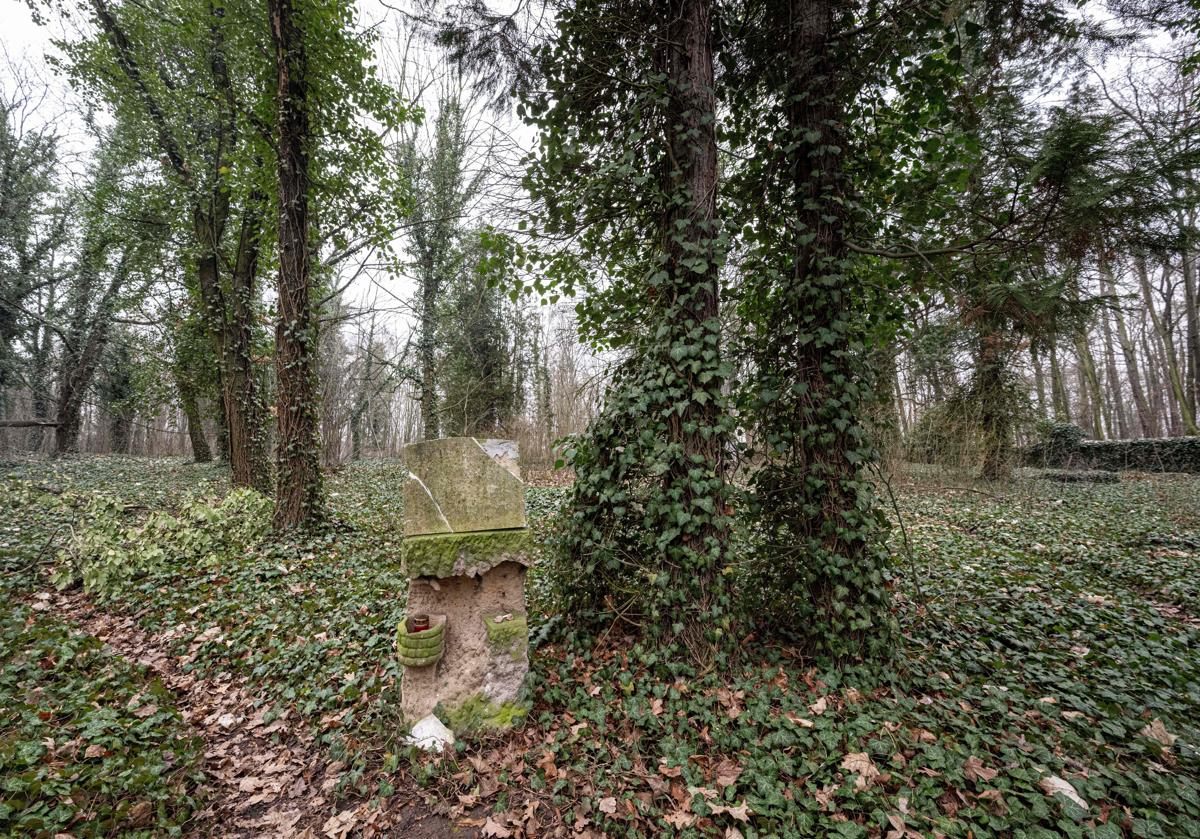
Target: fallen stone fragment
429	734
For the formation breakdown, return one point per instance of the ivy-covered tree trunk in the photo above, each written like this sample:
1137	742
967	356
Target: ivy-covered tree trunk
229	321
995	407
695	478
629	169
298	493
427	351
201	452
822	572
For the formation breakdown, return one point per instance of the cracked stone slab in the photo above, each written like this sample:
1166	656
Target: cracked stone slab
460	485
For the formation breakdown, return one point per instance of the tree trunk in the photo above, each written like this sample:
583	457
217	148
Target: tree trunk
1192	323
1090	381
120	426
1170	359
1039	379
427	350
39	383
298	449
229	322
995	413
82	353
222	429
814	513
1118	407
1159	413
201	453
689	232
1128	353
1058	388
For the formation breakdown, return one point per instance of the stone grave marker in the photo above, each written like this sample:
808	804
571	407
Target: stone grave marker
464	639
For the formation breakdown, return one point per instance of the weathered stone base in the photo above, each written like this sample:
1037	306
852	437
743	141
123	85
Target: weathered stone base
482	656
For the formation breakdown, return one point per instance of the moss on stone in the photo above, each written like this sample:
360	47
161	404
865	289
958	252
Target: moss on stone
457	554
478	713
509	636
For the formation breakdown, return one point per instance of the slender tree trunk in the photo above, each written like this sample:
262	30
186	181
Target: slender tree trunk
1159	413
1171	363
298	496
362	398
1039	379
1118	408
201	453
1090	381
1129	353
1192	323
427	351
1058	388
901	412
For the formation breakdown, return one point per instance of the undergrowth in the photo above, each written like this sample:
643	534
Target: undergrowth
1048	643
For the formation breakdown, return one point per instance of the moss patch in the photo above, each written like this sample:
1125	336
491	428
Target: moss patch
509	636
478	713
455	554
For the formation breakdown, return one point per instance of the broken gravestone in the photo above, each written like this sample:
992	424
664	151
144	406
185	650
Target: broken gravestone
464	639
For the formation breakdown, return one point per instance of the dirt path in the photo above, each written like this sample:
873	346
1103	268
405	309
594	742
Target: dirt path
264	779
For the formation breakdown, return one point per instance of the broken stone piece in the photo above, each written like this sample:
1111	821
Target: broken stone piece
429	734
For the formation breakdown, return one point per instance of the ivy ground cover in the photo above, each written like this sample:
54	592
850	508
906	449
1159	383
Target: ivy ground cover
1048	682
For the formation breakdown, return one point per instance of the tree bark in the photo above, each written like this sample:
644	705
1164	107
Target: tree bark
1117	406
298	450
1039	379
1090	382
995	414
1192	324
427	349
120	427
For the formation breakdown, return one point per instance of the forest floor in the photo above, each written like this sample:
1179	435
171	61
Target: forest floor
1046	681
